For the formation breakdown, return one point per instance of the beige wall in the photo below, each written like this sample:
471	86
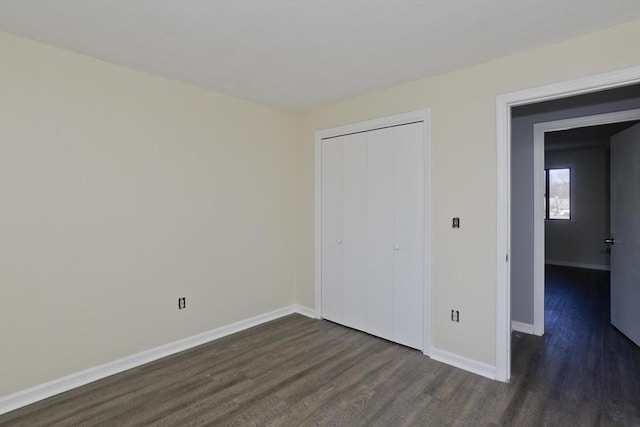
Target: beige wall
463	136
122	191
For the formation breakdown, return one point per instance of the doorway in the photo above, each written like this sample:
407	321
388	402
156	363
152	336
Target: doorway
579	132
577	227
504	105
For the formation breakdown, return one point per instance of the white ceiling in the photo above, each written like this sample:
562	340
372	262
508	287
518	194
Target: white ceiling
299	54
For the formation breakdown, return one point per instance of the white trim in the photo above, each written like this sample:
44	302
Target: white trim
427	234
575	265
526	328
503	243
317	256
423	116
538	224
504	103
539	129
60	385
381	122
463	363
305	311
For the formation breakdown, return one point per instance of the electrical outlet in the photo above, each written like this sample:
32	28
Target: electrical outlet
455	316
182	303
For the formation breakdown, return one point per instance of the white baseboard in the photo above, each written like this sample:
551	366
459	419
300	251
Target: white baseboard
525	328
464	363
60	385
305	311
577	265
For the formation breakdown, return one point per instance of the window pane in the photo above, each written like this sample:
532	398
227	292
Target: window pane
559	194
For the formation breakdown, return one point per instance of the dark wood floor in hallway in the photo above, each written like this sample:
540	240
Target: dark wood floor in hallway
297	371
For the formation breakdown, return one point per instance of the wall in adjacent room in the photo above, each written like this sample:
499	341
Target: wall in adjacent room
580	241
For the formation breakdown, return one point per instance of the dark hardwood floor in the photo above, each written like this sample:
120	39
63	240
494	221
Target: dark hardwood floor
298	371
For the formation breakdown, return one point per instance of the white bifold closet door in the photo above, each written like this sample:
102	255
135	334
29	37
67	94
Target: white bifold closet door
408	265
381	236
331	234
354	230
373	203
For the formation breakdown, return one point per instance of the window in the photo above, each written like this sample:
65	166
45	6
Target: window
557	197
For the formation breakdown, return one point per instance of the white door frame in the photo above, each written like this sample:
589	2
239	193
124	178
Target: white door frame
504	103
420	116
539	129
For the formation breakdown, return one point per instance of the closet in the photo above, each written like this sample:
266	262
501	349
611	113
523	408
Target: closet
372	231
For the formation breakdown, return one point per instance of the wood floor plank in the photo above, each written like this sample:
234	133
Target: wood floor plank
297	371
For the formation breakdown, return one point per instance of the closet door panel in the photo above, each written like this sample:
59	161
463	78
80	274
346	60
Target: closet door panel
380	245
408	235
331	229
354	230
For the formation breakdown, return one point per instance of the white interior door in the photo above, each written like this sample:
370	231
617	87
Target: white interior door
331	252
625	230
409	235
